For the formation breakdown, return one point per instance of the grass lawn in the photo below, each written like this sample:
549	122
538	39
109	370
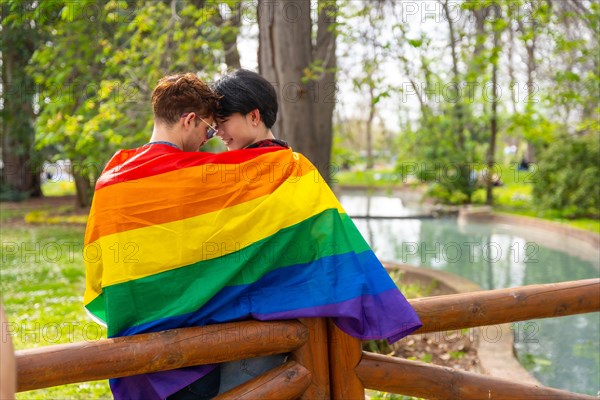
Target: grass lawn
515	197
42	283
373	178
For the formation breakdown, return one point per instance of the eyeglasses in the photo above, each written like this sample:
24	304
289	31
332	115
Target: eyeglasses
210	132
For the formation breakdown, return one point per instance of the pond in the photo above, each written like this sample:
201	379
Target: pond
560	352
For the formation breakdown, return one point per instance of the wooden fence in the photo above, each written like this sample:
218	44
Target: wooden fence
326	363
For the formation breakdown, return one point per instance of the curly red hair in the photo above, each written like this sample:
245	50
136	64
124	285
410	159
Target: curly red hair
175	95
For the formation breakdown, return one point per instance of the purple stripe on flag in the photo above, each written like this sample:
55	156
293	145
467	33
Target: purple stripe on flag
157	385
385	315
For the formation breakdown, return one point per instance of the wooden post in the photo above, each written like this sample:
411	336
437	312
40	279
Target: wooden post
313	355
345	353
288	381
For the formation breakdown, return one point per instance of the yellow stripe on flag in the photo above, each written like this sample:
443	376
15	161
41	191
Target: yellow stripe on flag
142	252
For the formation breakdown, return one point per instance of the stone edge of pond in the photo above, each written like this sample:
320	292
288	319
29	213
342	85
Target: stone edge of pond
494	343
589	242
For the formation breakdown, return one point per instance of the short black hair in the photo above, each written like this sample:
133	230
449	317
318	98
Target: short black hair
243	91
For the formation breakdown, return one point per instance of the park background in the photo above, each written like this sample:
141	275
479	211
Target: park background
465	102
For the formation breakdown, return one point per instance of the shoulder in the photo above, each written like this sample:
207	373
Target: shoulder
269	143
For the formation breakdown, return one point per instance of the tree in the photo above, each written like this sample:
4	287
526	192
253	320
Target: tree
529	36
303	72
448	133
498	26
99	67
229	33
369	20
20	37
458	123
573	27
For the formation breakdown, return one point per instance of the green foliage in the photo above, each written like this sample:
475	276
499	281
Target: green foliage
10	193
98	69
515	192
515	196
445	151
568	176
561	97
341	156
530	361
446	195
532	126
457	355
369	178
391	396
20	38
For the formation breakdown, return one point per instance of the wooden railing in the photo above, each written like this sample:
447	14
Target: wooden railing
326	363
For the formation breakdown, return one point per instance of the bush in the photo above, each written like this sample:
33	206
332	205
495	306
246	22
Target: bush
444	195
567	178
10	193
343	157
450	182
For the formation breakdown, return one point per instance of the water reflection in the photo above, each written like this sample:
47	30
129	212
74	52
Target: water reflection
562	352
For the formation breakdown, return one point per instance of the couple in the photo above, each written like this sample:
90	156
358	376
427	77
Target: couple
243	103
179	238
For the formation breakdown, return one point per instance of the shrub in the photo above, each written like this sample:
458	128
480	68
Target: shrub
567	178
10	193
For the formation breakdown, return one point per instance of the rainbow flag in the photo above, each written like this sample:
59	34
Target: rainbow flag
178	239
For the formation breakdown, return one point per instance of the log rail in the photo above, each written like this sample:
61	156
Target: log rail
326	363
138	354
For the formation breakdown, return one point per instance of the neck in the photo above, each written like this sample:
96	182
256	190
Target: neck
267	135
163	133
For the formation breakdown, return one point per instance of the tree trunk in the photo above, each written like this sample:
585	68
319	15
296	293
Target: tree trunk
531	68
494	116
511	68
493	135
19	170
285	52
458	108
369	129
229	35
84	190
480	15
324	104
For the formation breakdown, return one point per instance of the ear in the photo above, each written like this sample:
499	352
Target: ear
187	121
254	117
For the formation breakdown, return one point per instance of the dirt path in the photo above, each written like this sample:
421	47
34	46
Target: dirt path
13	213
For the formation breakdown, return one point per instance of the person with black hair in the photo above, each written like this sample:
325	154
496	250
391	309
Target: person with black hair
247	111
